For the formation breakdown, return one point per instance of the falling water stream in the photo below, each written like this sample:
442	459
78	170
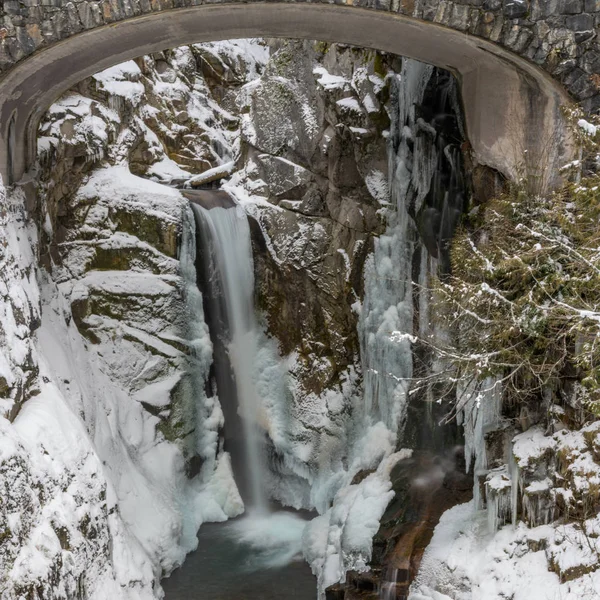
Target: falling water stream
257	556
388	585
227	256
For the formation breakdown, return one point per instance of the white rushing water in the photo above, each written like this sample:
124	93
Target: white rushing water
388	589
230	237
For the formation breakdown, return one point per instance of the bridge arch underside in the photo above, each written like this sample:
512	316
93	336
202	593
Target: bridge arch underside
510	105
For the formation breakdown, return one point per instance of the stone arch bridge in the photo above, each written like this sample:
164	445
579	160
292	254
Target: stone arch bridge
517	61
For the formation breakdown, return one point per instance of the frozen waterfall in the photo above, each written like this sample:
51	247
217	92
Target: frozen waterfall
426	201
227	276
386	322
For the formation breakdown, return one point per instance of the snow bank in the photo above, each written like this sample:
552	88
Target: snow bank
219	172
463	562
62	518
58	512
530	445
117	183
470	559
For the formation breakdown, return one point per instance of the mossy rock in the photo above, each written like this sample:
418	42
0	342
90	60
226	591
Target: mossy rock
179	425
123	259
4	387
164	236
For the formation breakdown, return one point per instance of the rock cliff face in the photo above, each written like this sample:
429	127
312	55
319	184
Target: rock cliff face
325	173
20	307
318	185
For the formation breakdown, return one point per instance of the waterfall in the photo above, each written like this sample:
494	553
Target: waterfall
389	584
227	276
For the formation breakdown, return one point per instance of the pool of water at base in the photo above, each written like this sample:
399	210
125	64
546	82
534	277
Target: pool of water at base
244	559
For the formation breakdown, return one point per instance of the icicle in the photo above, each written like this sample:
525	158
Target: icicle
514	493
94	156
479	411
498	493
539	506
116	103
480	408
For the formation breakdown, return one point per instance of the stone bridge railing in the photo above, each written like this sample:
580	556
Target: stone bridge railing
561	36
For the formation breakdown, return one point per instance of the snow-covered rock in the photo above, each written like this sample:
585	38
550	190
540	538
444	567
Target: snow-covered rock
111	465
465	562
109	452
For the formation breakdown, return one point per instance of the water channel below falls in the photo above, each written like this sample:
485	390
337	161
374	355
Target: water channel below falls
249	558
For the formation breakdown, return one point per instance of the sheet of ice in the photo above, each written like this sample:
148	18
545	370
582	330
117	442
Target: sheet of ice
478	411
387	308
